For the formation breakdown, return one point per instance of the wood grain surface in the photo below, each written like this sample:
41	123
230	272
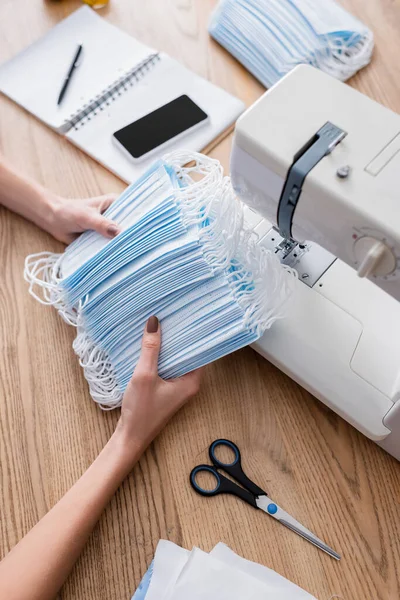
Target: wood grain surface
319	468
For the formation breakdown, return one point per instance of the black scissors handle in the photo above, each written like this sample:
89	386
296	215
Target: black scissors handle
234	469
223	485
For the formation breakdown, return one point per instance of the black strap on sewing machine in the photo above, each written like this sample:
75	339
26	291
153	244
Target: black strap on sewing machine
321	144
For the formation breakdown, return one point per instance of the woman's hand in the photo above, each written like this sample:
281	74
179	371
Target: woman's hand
149	401
66	219
37	567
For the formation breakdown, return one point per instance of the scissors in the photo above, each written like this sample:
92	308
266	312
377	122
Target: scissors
250	492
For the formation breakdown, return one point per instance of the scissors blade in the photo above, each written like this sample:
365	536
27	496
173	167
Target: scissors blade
272	509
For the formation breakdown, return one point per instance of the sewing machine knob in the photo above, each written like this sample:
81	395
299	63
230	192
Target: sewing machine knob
373	257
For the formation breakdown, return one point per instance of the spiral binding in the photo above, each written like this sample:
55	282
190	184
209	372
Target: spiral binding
110	93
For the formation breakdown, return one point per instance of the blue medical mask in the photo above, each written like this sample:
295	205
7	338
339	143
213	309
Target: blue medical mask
182	256
270	37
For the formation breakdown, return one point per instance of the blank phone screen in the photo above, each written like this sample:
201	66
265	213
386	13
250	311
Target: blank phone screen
159	126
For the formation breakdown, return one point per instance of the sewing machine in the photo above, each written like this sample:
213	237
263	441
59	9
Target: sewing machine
318	165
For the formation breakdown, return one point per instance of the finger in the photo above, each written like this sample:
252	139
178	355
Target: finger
68	238
91	219
101	203
151	343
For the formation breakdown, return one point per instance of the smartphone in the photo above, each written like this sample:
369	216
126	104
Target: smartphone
160	127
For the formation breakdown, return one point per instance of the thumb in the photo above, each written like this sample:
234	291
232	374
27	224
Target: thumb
151	342
104	226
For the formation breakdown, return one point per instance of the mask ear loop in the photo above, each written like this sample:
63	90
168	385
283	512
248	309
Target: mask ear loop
69	315
104	391
347	56
98	372
264	290
216	212
41	270
336	56
220	238
258	281
209	169
81	342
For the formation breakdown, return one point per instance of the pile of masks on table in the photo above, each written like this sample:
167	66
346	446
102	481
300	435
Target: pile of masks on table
177	574
270	37
183	255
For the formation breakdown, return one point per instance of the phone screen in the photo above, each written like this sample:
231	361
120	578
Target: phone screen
159	126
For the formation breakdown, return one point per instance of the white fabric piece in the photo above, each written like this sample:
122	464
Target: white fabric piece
279	587
205	577
177	574
169	560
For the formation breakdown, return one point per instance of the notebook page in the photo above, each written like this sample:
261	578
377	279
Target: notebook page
34	77
166	80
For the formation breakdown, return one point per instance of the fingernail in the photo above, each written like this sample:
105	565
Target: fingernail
152	325
112	230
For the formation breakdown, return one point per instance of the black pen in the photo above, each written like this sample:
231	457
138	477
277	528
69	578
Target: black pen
71	70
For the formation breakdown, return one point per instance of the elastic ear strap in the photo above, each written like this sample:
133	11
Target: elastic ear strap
260	284
69	315
343	58
98	371
211	204
41	271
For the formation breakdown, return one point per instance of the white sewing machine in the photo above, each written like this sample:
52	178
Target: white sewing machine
318	165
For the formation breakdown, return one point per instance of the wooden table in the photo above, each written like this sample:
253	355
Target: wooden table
333	479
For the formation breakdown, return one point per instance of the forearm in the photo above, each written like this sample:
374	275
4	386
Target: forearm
38	566
26	197
62	217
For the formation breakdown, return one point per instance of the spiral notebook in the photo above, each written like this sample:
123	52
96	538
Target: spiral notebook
118	81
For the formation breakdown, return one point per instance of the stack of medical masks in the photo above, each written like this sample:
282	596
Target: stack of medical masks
183	255
270	37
